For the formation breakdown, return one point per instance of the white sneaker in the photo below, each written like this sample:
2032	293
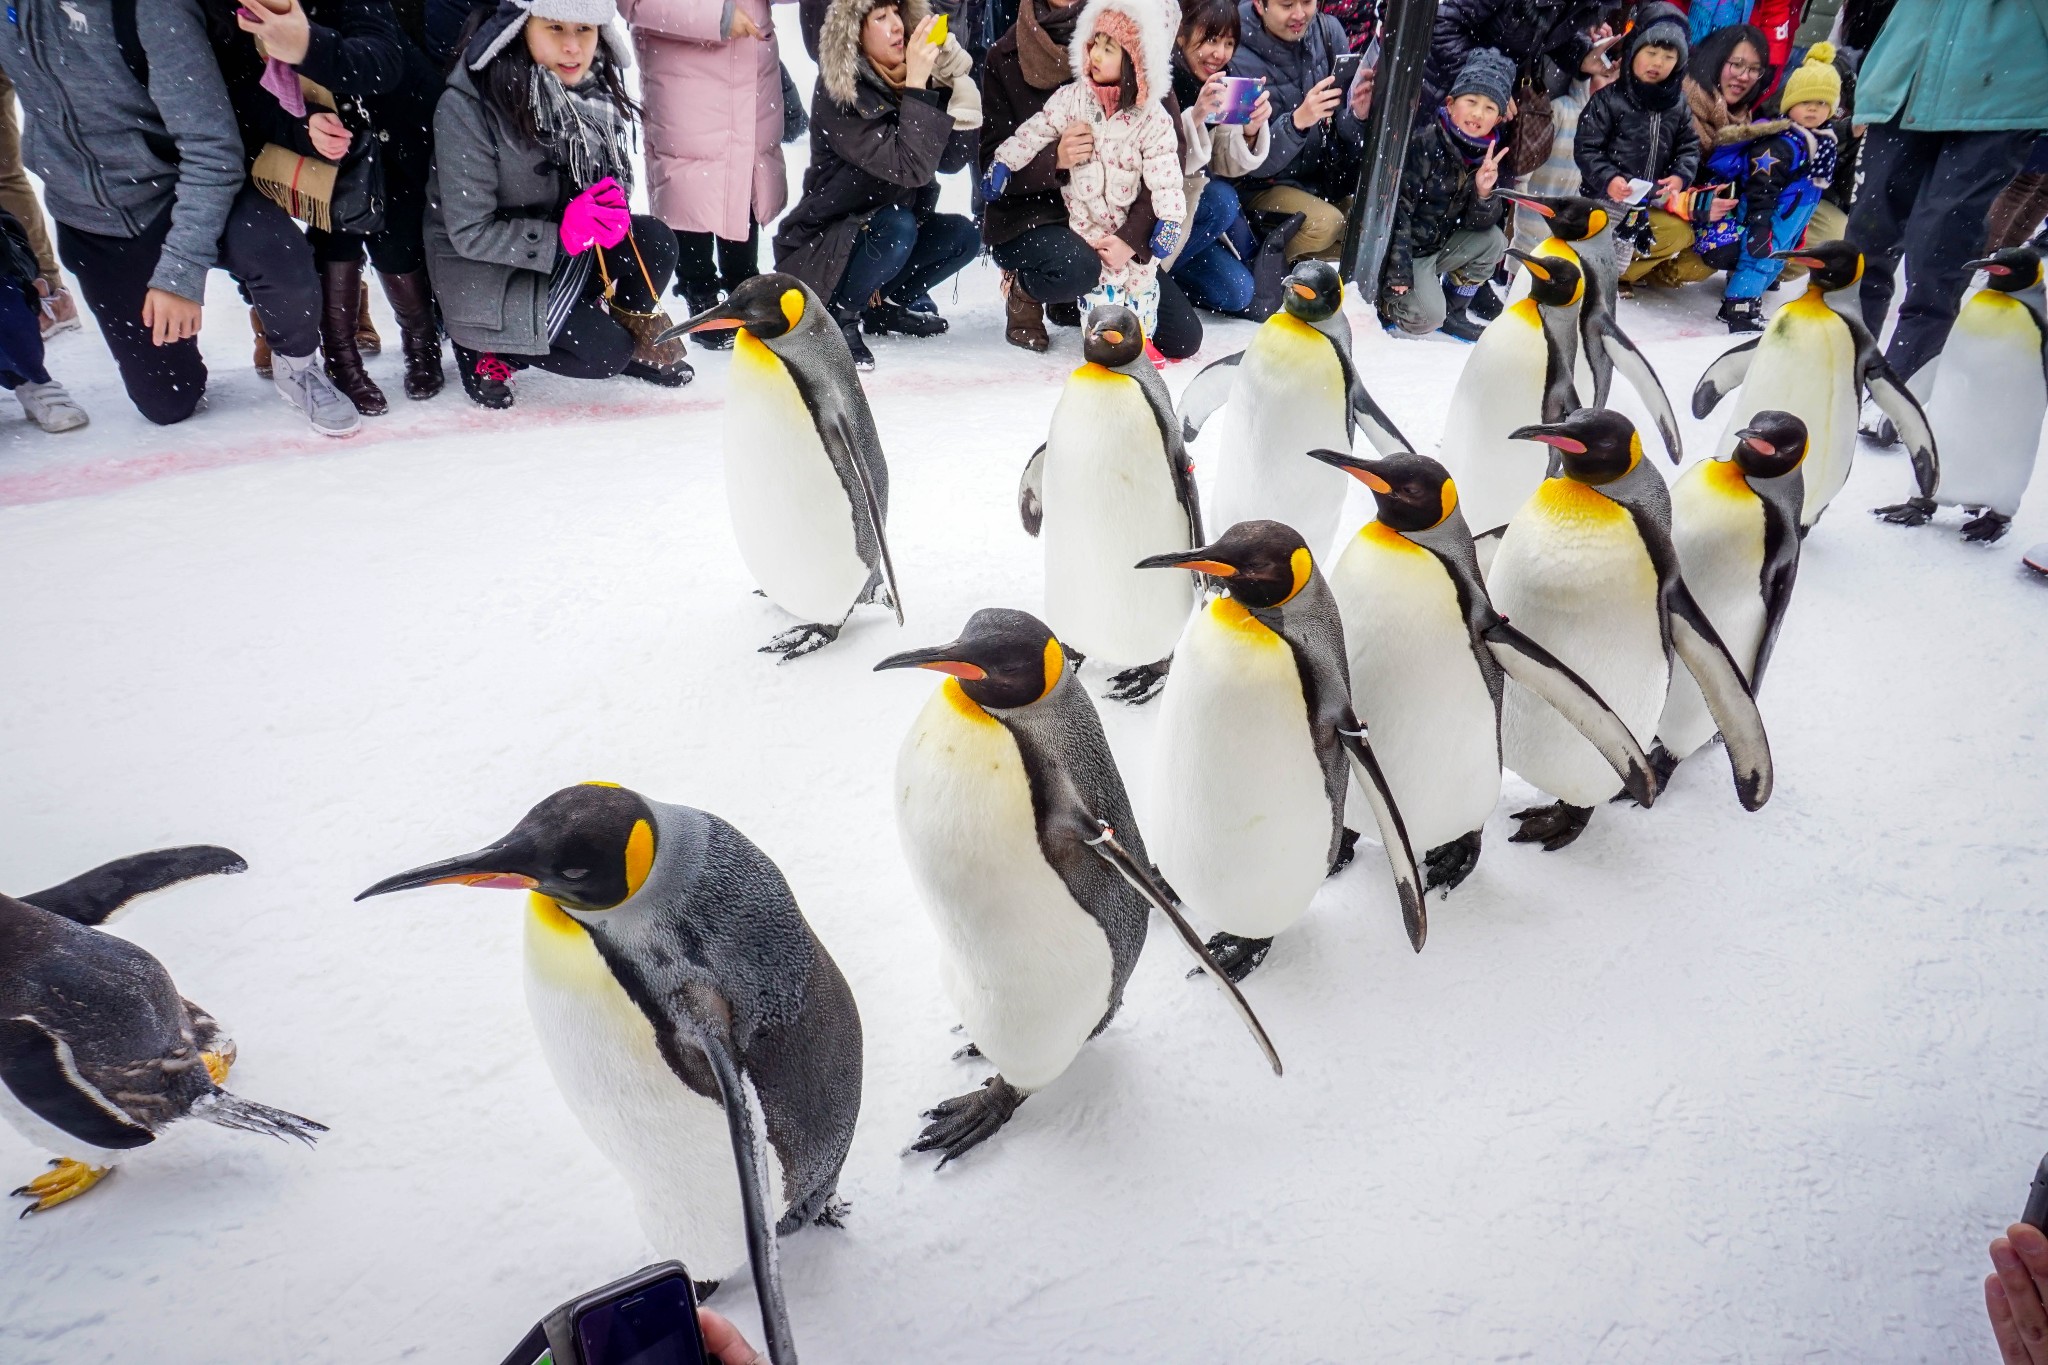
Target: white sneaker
50	407
306	387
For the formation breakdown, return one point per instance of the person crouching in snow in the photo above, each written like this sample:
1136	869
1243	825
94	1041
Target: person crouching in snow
534	256
1121	48
1447	235
45	401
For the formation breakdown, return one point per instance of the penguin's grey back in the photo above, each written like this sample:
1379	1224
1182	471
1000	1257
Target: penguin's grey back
1314	630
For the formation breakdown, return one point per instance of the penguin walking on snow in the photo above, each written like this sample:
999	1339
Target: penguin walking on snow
1294	389
1815	361
1582	230
1735	528
699	1031
1518	372
1113	482
1985	396
1429	656
98	1051
1016	827
1587	570
1249	770
804	474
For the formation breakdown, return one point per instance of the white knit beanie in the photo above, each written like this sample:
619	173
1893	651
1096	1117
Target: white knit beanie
603	13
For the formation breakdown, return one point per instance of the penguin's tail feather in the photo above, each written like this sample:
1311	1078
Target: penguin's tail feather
232	1111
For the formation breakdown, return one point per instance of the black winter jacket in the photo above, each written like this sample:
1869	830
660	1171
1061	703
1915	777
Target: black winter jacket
1526	30
1437	198
1623	133
1324	160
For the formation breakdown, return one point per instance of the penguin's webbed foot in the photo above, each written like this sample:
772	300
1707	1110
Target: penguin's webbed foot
1911	512
1987	528
218	1064
969	1053
1662	764
1553	826
1136	686
833	1215
1449	864
705	1288
1238	957
63	1182
798	641
961	1124
1347	849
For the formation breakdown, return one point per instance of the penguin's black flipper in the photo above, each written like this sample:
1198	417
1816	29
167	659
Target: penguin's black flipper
94	898
843	445
1207	392
1778	580
1903	408
1727	694
1364	414
1643	379
1031	492
1566	693
1723	377
36	1067
1393	830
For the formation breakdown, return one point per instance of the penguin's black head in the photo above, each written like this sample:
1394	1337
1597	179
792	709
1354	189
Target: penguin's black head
2011	270
1003	659
1553	281
1773	443
1570	217
1313	291
1414	492
1262	563
768	306
1835	265
1597	445
1112	336
587	847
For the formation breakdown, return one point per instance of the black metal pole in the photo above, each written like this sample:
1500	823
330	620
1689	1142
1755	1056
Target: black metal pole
1405	27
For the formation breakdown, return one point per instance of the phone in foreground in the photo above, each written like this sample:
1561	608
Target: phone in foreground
647	1318
1240	93
2037	1198
1346	70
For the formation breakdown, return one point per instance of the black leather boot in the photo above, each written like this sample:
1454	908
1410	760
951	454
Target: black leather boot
412	299
849	327
341	300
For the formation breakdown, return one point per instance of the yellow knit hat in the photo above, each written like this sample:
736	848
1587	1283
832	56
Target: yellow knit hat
1816	79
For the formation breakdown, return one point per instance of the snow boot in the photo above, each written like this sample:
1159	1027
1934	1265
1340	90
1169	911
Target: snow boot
1457	321
655	361
341	296
1025	325
367	340
50	407
1742	315
262	358
849	327
1065	313
60	310
1486	304
885	317
412	299
485	378
1269	267
301	383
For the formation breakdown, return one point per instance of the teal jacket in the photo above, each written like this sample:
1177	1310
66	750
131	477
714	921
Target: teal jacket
1956	66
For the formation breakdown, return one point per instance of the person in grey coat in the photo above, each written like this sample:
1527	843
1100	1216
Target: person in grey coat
1318	130
129	126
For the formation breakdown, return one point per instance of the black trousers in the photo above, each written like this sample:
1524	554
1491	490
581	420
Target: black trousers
1925	196
591	345
1055	265
261	247
699	275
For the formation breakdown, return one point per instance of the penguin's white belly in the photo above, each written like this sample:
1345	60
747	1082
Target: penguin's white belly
1806	365
1109	502
1500	389
670	1144
1988	402
1026	966
1717	526
1573	575
1290	398
1239	820
1417	686
791	514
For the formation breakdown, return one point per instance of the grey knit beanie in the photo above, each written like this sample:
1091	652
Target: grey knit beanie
513	14
1487	72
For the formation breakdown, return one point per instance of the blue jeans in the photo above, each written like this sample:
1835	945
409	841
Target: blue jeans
1213	275
21	339
903	258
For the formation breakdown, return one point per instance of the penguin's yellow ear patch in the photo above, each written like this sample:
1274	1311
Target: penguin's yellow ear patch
1303	565
639	857
1635	448
792	302
1595	221
1055	665
1450	501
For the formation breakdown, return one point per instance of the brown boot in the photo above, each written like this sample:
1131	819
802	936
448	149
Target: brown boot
341	297
1026	325
367	340
262	344
412	299
657	362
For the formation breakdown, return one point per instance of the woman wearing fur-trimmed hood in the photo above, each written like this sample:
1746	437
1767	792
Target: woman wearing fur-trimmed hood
892	111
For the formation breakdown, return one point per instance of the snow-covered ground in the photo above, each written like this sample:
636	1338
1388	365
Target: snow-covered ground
1704	1086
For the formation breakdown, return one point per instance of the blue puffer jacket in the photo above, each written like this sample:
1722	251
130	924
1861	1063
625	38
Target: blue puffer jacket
1958	66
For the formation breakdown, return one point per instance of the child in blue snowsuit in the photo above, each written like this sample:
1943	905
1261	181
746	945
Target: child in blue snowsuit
1780	178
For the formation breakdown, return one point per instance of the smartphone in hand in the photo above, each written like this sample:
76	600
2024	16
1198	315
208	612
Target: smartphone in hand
647	1318
1346	70
1240	93
2037	1199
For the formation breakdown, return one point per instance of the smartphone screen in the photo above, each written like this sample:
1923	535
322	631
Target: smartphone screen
654	1325
1347	69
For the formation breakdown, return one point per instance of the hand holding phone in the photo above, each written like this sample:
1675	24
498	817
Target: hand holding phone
647	1318
1346	70
1240	93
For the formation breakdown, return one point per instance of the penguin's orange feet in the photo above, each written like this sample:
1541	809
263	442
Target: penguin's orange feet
218	1064
63	1182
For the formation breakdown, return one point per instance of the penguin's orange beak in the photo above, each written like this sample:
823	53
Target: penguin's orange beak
1112	336
1302	291
1358	469
1191	560
938	659
1532	205
484	868
1570	445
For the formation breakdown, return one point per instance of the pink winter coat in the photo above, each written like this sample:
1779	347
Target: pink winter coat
714	115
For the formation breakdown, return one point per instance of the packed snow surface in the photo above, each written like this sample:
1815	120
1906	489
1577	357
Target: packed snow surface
1704	1086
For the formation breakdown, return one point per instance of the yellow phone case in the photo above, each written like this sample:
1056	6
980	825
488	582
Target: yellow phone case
938	33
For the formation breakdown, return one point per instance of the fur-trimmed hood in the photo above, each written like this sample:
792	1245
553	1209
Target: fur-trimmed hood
1153	22
839	54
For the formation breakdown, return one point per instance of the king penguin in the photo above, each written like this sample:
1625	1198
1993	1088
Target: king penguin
695	1025
1294	389
804	474
1249	771
1018	833
99	1053
1815	361
1583	230
1428	658
1985	396
1518	372
1113	482
1735	527
1587	570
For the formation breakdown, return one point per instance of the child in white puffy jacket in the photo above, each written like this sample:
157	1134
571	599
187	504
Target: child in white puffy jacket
1121	48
